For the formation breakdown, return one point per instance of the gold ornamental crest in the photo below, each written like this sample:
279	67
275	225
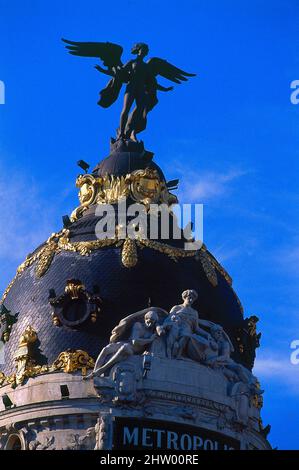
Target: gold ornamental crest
146	186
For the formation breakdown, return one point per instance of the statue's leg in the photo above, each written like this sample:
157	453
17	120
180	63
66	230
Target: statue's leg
130	124
136	122
171	341
111	348
169	344
128	101
182	343
123	352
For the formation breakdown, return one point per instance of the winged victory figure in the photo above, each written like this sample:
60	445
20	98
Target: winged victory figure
139	77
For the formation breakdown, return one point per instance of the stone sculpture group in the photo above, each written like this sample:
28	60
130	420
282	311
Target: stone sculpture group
180	335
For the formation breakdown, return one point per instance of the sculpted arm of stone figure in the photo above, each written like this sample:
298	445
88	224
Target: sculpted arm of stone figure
124	350
175	309
224	357
202	332
138	341
167	323
116	352
206	323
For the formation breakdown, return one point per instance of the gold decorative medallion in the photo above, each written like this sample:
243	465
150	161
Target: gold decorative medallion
143	186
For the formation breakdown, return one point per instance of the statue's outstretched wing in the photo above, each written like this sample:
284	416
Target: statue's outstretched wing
108	52
123	329
169	71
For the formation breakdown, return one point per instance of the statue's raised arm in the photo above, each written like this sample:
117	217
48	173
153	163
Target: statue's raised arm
108	52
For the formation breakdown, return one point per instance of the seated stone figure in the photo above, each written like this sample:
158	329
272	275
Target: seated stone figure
182	333
210	346
184	336
172	327
234	371
143	330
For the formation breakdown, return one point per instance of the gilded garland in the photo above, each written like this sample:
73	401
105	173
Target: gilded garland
142	186
129	254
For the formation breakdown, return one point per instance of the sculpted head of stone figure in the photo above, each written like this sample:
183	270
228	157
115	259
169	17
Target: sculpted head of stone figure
189	296
217	332
150	318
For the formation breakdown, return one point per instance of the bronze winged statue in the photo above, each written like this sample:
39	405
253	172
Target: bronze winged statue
138	75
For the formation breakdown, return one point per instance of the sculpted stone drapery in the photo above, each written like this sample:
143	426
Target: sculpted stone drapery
145	329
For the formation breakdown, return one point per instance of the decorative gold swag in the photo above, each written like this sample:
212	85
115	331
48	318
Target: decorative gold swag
129	254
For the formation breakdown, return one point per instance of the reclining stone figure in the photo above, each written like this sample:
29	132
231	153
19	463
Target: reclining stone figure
144	326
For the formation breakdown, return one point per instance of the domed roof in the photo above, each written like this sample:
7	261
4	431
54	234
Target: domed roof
158	275
126	157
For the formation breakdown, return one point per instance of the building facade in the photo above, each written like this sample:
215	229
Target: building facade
174	374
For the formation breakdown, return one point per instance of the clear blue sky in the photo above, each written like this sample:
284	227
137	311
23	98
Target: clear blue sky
230	135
